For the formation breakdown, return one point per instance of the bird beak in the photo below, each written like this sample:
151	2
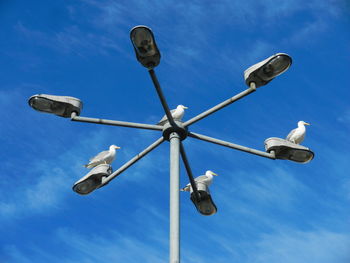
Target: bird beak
307	123
117	147
214	174
185	107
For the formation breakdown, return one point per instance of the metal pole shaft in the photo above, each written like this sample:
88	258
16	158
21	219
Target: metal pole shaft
174	237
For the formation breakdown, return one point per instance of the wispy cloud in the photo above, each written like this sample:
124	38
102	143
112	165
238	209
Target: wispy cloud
117	249
10	253
293	246
54	175
273	188
70	40
50	188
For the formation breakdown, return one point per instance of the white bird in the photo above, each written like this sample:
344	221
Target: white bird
105	157
177	114
206	179
297	135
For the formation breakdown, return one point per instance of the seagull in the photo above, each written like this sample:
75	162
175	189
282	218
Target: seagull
177	114
297	135
105	157
206	179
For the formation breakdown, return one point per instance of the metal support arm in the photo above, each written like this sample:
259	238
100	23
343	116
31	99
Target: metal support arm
189	171
161	97
132	161
232	145
221	105
116	123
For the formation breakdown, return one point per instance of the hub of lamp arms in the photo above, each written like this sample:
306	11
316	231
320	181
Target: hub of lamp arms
178	128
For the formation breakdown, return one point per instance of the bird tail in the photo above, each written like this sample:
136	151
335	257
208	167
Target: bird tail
185	189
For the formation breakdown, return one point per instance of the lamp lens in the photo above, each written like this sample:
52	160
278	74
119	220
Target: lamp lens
206	207
301	156
41	104
47	105
143	41
275	67
86	186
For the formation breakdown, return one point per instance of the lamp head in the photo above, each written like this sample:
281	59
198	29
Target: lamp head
266	70
147	52
286	150
205	205
62	106
93	180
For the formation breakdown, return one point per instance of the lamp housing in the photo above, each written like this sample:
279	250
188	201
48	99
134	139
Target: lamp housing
287	150
146	50
93	180
62	106
205	205
266	70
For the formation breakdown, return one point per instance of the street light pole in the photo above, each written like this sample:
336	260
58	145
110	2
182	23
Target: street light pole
174	236
175	131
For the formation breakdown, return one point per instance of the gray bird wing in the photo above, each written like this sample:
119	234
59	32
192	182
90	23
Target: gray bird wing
165	118
300	139
201	178
99	156
290	134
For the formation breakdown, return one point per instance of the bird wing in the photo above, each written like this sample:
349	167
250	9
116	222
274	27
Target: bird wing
99	156
291	134
300	138
165	117
202	179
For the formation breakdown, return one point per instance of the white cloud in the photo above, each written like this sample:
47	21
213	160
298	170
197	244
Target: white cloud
47	182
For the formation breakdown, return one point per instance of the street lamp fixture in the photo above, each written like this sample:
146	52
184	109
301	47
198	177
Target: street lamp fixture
205	204
147	52
93	180
62	106
266	70
286	150
176	131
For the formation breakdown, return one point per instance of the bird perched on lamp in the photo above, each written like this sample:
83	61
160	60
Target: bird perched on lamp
105	157
206	179
297	135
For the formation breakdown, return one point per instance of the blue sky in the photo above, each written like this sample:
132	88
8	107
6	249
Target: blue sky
268	211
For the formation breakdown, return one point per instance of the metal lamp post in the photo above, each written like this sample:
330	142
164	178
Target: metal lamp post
175	132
